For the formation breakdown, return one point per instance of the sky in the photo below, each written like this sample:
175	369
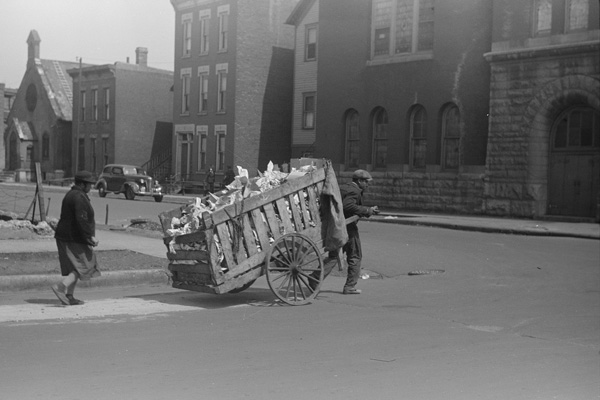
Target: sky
98	31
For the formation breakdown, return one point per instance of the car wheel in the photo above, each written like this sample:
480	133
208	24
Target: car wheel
158	199
102	191
129	193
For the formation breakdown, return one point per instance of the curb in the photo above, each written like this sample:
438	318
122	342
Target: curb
478	228
109	278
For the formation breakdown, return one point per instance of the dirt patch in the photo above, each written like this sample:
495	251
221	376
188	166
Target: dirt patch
47	262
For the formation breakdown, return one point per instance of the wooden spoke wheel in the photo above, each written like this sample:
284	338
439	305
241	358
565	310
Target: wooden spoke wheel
294	269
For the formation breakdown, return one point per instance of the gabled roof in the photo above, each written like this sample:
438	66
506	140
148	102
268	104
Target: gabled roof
299	12
58	85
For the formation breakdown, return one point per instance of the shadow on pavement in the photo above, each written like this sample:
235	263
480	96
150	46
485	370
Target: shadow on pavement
252	297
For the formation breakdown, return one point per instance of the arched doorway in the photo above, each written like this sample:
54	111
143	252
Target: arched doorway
14	161
574	163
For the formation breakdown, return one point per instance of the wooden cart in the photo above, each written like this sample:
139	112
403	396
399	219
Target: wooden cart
277	234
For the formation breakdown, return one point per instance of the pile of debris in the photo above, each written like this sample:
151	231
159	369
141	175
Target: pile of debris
10	224
241	188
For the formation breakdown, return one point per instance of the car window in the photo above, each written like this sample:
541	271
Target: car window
141	171
117	171
129	170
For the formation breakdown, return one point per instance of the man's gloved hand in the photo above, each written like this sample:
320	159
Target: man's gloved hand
374	210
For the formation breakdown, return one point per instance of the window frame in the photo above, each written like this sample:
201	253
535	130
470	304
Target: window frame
309	113
94	104
569	12
106	104
446	138
186	35
203	87
204	18
222	90
308	45
389	29
220	147
418	135
379	142
186	86
223	17
352	120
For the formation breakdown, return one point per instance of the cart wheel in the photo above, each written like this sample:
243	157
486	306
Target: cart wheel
293	265
242	288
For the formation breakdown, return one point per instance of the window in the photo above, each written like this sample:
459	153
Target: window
352	139
106	104
203	90
308	111
543	17
93	151
451	138
105	150
400	27
577	129
221	133
222	90
94	104
185	90
204	30
82	106
577	14
418	137
203	137
380	135
81	154
186	21
45	146
310	53
223	12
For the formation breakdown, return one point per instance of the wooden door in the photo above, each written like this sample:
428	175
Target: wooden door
574	170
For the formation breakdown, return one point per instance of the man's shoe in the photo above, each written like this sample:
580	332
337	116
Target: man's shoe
351	291
61	296
73	301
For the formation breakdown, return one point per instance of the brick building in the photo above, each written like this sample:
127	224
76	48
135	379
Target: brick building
402	90
122	113
544	142
233	85
39	123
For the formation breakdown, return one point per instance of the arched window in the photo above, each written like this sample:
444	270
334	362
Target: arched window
418	137
451	138
380	138
351	126
577	129
45	146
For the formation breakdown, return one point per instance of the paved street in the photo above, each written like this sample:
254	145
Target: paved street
511	317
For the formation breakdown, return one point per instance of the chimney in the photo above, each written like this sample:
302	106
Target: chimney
141	56
33	47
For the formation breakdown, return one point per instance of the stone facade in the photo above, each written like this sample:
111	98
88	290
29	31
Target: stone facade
534	80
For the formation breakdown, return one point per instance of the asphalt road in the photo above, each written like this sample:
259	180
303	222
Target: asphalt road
511	317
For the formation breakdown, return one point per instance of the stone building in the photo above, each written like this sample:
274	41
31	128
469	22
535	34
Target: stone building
122	113
233	85
39	123
543	153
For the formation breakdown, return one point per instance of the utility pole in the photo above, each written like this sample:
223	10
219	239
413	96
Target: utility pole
78	94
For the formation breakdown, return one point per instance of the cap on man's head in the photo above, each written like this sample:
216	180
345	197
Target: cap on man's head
84	176
361	174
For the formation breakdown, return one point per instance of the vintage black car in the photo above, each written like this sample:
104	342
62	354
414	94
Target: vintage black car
129	180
